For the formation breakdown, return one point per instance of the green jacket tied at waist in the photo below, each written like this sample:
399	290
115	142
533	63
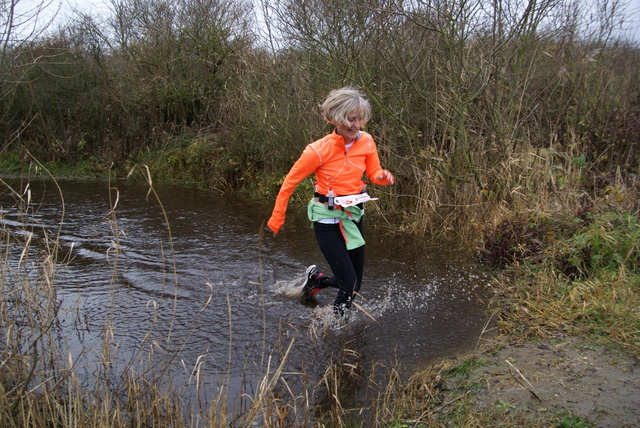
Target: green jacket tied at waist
352	236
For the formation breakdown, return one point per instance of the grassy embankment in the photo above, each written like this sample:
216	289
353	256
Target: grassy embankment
575	281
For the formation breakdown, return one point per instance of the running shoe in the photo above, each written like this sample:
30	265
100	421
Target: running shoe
312	281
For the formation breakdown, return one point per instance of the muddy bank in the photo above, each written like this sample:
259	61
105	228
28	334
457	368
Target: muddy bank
546	383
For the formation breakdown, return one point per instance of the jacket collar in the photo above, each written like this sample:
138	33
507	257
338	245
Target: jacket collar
339	139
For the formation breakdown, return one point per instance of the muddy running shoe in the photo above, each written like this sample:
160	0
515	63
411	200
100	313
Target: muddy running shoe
342	303
312	282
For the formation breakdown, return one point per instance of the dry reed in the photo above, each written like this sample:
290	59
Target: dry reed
43	382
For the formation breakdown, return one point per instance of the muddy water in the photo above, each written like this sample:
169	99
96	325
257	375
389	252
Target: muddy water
185	277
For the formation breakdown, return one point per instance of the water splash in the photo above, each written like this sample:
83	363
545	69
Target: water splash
291	289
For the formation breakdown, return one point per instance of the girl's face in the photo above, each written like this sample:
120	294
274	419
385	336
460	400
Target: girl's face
349	131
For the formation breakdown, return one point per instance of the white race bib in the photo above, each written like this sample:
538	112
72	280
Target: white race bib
349	200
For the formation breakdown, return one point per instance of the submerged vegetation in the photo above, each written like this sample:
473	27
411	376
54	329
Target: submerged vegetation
514	126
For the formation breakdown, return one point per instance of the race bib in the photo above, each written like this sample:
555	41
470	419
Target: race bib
349	200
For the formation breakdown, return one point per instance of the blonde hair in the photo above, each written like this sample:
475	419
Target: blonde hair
341	102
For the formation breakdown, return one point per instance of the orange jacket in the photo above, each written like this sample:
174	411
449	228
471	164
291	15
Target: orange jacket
335	169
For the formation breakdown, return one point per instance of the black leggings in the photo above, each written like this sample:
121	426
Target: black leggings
346	265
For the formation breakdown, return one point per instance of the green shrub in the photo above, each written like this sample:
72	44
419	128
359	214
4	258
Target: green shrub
607	243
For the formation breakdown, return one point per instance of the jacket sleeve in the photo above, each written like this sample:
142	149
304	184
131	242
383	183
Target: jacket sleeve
373	167
308	162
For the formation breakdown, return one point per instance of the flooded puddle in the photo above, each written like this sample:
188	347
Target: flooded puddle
189	279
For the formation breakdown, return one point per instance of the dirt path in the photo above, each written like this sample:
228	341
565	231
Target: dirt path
541	381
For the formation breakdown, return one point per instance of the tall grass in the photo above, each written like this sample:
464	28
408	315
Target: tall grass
578	274
45	381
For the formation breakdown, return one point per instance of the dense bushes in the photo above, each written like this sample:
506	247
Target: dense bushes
482	112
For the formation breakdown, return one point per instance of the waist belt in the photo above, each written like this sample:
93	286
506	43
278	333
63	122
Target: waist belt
321	198
329	201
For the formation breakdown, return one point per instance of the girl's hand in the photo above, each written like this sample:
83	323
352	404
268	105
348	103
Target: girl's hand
268	229
386	174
